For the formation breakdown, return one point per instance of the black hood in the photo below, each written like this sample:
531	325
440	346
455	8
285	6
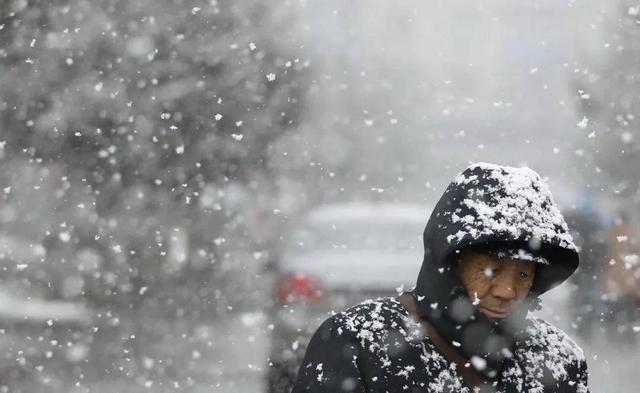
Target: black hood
495	207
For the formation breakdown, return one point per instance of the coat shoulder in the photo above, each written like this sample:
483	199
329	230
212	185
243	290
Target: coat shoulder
550	352
382	305
555	341
372	317
376	324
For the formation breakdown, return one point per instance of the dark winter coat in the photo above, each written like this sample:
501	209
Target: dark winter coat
376	347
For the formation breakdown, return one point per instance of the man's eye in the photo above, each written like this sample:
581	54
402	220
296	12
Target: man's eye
524	275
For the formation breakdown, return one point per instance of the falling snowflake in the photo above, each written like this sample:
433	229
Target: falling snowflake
582	124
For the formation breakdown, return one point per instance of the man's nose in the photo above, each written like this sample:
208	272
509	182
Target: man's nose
504	288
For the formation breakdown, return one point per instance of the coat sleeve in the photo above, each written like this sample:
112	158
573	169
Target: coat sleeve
330	363
578	378
582	377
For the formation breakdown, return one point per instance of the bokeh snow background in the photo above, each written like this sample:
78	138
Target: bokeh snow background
151	153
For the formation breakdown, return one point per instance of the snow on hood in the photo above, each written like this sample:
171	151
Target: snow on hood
489	204
509	203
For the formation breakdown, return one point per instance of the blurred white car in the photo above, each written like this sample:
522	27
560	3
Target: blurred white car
335	257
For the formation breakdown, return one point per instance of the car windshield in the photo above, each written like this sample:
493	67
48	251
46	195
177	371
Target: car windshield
394	236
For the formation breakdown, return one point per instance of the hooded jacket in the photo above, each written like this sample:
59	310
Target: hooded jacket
377	347
497	209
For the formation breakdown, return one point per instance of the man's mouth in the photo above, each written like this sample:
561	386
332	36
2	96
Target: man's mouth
493	313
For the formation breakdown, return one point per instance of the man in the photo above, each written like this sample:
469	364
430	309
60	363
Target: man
493	244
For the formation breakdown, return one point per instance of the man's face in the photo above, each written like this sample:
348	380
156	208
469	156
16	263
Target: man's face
494	285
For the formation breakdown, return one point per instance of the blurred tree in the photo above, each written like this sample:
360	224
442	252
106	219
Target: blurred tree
134	147
609	104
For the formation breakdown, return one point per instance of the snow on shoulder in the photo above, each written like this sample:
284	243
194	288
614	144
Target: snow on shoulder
508	200
384	329
560	349
370	321
549	348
